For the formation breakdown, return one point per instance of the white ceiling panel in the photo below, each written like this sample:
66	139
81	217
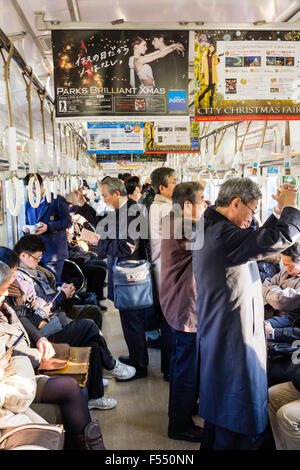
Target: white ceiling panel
211	11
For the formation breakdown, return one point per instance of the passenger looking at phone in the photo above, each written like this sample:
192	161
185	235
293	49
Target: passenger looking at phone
53	218
37	288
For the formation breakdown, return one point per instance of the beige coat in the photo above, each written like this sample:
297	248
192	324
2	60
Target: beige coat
17	392
204	68
160	207
282	291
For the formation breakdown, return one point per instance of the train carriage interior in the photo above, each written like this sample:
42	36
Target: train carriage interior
222	133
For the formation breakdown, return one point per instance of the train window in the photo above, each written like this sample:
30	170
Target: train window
272	186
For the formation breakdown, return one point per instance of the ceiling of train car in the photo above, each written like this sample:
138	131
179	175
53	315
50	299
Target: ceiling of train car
17	16
221	11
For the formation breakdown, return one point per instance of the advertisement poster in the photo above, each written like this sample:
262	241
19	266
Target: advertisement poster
164	135
115	137
138	73
247	75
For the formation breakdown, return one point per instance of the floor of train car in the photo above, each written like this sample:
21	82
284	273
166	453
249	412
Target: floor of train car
140	419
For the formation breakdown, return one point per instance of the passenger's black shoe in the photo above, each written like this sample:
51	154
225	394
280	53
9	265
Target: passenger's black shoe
167	377
126	360
103	308
192	435
141	372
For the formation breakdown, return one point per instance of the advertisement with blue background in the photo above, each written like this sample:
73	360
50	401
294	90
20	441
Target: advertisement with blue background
113	138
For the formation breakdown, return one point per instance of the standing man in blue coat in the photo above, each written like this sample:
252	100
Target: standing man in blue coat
54	218
233	395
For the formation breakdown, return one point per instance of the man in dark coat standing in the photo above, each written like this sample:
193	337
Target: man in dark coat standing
121	239
233	396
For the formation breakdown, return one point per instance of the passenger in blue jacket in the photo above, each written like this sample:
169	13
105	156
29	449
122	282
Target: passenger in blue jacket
54	218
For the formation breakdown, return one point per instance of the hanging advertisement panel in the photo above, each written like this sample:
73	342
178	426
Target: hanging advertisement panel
246	75
163	135
117	73
115	137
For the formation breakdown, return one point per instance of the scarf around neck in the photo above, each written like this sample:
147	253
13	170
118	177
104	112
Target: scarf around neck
40	278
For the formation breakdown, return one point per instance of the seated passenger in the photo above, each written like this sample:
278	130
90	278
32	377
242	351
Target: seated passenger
284	414
282	291
284	328
37	284
268	268
92	267
76	333
19	386
17	390
177	297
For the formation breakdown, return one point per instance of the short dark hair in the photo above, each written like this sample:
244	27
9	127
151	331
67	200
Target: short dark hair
9	257
186	192
160	176
131	184
293	252
30	243
37	175
159	34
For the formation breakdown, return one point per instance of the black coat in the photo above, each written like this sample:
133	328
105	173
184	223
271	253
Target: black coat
230	313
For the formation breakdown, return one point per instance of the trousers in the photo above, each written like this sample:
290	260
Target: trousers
166	346
132	322
211	87
284	414
183	381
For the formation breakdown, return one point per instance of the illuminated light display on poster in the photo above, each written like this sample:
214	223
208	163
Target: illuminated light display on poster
115	137
247	74
115	73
